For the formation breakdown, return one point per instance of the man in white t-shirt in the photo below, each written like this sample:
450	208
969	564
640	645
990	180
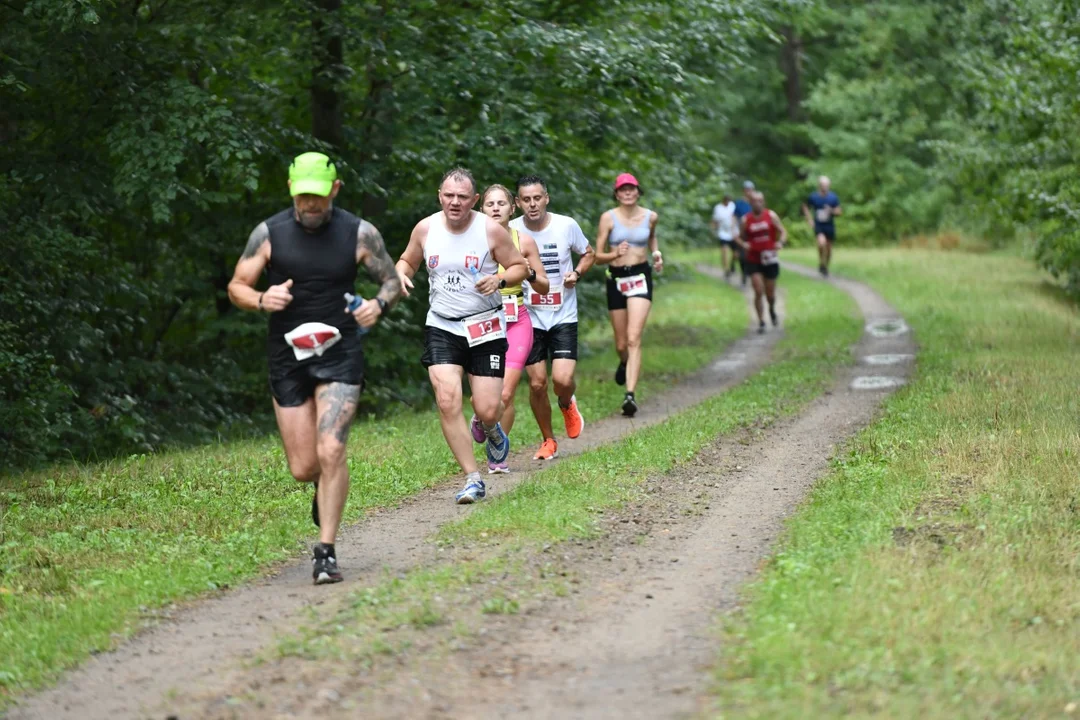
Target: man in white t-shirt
554	315
726	227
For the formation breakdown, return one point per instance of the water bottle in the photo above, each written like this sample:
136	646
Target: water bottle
355	302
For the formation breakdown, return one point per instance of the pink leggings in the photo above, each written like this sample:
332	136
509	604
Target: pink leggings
519	335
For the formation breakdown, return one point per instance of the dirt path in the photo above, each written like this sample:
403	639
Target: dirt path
635	640
192	647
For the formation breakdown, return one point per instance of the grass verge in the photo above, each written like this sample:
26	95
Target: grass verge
499	569
89	552
936	571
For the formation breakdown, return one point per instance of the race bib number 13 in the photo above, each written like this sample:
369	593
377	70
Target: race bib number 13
484	327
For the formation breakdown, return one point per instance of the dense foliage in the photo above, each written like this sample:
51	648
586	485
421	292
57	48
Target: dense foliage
141	140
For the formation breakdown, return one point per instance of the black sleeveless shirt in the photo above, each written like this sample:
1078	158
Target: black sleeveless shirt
322	266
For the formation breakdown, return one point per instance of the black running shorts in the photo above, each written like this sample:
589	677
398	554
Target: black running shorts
829	231
558	343
615	299
771	272
293	381
446	348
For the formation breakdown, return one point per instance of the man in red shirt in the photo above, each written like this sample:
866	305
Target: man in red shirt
762	237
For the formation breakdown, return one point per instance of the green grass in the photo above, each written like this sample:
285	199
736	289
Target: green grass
87	552
563	502
936	571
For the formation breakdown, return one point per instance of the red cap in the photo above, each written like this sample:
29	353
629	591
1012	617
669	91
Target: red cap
625	179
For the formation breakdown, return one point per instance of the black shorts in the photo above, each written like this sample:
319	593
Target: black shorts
615	299
771	272
727	242
446	348
829	231
558	343
293	381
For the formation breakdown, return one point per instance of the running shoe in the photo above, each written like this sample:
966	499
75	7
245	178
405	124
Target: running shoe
315	506
629	405
324	565
497	452
761	328
497	468
474	490
575	423
775	319
620	374
549	450
477	430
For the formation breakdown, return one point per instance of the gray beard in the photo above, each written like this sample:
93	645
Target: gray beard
310	223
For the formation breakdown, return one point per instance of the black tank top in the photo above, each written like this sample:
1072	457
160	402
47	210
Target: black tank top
322	266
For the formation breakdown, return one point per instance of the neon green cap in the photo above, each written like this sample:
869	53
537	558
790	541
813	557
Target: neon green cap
312	173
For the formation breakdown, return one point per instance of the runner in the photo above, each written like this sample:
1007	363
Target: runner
465	331
726	226
630	230
554	314
498	204
310	253
742	207
826	206
762	237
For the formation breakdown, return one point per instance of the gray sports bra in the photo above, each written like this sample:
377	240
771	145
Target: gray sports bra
636	236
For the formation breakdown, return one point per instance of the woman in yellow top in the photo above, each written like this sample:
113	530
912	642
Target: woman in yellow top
498	204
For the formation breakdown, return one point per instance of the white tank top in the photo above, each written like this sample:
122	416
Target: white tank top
455	262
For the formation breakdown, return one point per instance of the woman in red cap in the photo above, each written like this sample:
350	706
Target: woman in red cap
626	240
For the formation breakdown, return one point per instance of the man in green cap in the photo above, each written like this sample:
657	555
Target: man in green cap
310	253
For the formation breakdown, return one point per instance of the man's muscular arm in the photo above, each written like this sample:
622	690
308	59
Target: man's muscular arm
249	267
371	250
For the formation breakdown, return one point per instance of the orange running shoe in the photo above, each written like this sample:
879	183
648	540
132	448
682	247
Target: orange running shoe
548	450
572	417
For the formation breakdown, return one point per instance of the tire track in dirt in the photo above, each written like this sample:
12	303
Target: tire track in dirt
196	645
637	639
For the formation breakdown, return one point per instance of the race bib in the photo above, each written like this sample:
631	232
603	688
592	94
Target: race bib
769	257
312	339
552	301
824	214
485	327
510	307
633	285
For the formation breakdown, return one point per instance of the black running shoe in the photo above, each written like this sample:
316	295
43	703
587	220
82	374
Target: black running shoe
629	405
775	320
824	271
761	328
620	374
315	506
324	565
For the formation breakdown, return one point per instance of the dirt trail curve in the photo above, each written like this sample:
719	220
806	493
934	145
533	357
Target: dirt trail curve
191	648
635	639
638	640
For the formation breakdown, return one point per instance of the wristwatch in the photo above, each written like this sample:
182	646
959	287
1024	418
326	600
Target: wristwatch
382	305
532	275
502	283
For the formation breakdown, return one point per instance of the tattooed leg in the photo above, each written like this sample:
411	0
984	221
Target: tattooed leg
335	405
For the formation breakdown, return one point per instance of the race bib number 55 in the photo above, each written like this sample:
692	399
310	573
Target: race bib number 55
552	301
485	327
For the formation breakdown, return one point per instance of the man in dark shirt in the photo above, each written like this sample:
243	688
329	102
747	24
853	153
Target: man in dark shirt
819	210
310	253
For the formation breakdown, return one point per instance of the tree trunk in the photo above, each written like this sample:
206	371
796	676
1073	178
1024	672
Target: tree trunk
329	68
791	66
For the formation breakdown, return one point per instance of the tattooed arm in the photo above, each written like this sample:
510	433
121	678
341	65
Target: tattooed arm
249	267
371	250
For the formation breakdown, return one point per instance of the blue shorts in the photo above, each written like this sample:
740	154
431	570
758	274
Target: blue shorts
829	231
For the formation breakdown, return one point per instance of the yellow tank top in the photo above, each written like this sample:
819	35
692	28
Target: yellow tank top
513	289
